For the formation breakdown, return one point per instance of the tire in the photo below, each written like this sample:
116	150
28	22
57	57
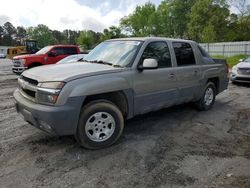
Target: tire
100	125
206	102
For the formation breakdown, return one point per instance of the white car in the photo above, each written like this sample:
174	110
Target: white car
2	55
241	71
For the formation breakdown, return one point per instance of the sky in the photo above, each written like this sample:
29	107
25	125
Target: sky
67	14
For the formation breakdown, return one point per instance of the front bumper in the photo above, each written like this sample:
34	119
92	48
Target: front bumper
18	70
240	78
59	120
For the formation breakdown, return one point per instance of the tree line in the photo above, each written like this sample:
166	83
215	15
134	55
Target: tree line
199	20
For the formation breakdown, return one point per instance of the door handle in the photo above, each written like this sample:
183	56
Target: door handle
172	75
195	72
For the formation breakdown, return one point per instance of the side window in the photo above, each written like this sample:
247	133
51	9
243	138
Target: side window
158	51
184	54
59	50
70	50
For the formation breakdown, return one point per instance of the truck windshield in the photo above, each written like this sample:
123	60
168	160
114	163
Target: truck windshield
116	53
44	50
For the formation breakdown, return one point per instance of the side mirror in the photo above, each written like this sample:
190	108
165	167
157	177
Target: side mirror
52	53
148	64
241	60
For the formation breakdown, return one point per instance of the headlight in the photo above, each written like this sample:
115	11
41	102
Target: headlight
19	62
234	69
22	61
48	92
51	85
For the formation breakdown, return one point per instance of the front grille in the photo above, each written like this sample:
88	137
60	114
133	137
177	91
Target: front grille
244	71
16	63
29	93
29	80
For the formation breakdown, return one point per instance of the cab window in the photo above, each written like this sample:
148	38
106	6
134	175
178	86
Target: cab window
158	51
184	54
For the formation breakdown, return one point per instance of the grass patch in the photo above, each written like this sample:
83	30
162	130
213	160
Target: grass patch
231	61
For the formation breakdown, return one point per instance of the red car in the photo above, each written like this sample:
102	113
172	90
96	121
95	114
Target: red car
45	56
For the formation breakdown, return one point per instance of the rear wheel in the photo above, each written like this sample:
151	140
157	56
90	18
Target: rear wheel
100	125
207	100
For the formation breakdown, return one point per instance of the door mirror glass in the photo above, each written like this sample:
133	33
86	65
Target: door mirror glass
149	64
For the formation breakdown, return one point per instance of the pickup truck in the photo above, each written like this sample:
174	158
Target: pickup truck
45	56
120	78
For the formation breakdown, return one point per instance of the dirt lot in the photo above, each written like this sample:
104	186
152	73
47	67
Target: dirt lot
175	147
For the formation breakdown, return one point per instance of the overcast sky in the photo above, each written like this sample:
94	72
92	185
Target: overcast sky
68	14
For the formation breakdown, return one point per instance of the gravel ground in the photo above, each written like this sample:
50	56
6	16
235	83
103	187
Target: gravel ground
175	147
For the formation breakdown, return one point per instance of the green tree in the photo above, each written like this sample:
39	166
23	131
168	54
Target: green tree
71	36
59	37
42	34
112	33
86	39
21	34
206	15
1	35
240	24
173	17
142	22
9	34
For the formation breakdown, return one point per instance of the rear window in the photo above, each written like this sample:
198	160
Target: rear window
203	52
184	54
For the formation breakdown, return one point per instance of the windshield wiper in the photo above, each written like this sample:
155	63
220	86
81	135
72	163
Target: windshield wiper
102	62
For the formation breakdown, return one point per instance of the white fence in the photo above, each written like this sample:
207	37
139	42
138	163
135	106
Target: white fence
227	48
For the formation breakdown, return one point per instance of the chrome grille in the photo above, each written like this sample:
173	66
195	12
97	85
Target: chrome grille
244	71
17	63
29	80
28	87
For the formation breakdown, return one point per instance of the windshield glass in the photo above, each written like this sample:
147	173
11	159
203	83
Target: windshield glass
44	50
247	59
119	53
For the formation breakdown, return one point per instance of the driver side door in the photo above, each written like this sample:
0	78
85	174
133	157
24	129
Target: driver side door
155	88
60	54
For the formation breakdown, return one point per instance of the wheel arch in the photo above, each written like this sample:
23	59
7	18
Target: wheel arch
216	82
122	99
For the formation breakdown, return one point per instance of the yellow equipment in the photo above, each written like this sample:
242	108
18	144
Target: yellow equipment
29	47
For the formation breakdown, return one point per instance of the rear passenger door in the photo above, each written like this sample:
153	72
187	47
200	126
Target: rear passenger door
187	71
155	88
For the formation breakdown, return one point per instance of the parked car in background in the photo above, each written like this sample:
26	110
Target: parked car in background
2	55
121	78
241	71
45	56
72	59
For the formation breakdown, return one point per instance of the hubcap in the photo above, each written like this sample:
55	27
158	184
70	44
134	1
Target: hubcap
209	96
100	126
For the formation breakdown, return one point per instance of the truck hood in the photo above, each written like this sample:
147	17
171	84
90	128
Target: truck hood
68	72
243	65
28	55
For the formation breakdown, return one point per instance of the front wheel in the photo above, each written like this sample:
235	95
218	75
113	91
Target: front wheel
207	100
100	125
